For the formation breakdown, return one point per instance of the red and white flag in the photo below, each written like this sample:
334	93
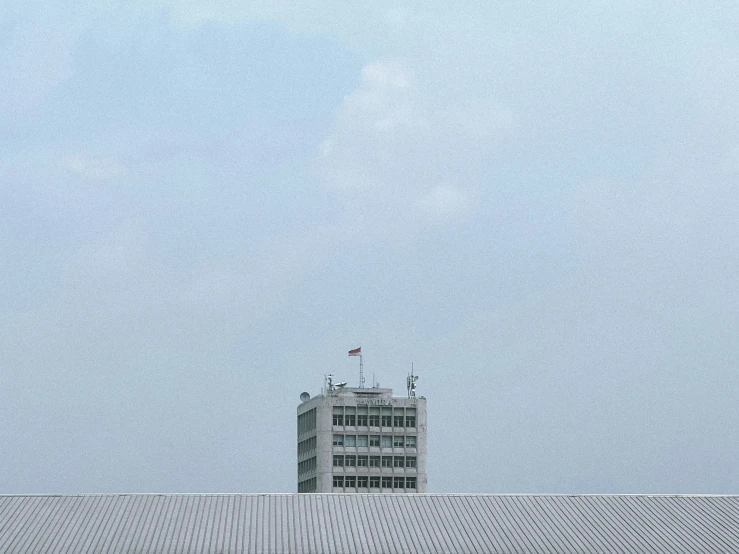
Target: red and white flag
355	352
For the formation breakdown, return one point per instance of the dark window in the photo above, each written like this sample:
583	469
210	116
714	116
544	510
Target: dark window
398	421
362	420
410	461
398	441
338	481
350	461
374	482
351	482
362	461
387	420
307	445
387	461
374	420
398	482
398	461
410	441
410	482
410	421
374	440
338	440
374	461
351	420
387	482
338	461
362	481
338	419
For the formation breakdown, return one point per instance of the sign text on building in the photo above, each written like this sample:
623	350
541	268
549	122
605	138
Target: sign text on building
373	402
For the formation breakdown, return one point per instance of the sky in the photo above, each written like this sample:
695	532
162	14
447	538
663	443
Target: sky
205	204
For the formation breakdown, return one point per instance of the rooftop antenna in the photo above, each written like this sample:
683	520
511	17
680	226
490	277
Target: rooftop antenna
329	382
358	352
411	383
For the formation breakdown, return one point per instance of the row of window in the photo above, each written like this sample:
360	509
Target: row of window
307	445
307	421
374	461
352	420
374	482
383	441
373	410
307	465
309	485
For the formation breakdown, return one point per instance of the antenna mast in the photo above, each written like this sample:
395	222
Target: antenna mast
411	383
358	352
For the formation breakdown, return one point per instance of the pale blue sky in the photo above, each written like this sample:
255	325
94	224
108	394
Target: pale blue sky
204	205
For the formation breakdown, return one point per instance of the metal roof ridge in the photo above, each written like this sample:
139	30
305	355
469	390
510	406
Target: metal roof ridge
436	494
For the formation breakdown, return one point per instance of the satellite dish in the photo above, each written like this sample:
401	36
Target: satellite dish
340	385
304	397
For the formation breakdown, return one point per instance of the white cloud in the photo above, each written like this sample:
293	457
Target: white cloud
395	147
446	203
95	169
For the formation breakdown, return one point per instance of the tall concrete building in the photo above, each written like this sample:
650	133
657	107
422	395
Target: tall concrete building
361	440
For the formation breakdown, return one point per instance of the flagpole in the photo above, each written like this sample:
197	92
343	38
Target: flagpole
358	352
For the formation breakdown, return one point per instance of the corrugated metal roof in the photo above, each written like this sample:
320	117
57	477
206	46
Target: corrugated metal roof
367	523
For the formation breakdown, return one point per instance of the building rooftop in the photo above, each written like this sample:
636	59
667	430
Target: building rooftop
369	523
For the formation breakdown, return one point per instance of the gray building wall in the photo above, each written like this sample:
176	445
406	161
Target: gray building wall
332	452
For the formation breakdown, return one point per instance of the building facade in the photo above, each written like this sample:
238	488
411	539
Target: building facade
361	440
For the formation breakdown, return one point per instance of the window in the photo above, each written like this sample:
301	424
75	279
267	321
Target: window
387	441
387	482
374	420
398	482
307	445
398	441
351	420
374	482
338	440
387	461
350	461
338	481
410	441
338	461
338	419
362	461
374	461
374	440
362	440
387	417
410	482
350	482
309	485
398	461
410	417
410	461
362	481
362	420
350	440
398	421
307	421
